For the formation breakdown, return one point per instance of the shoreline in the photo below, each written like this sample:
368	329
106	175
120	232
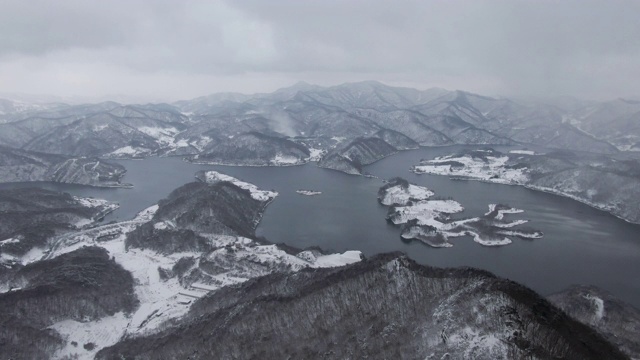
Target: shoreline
551	191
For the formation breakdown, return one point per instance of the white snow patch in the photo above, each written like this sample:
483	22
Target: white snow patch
165	136
103	332
426	212
91	202
213	177
308	192
502	212
523	152
492	170
285	160
599	304
9	241
398	195
129	151
34	254
334	260
316	154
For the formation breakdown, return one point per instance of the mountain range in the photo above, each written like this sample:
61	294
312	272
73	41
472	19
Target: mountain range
429	118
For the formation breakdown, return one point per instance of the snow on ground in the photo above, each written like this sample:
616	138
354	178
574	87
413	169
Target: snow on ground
34	254
522	152
316	154
147	214
98	128
331	260
213	177
426	212
433	226
492	169
490	241
165	136
308	192
9	241
91	202
280	159
427	237
106	207
598	303
398	195
501	212
160	299
522	234
163	225
104	332
201	142
129	151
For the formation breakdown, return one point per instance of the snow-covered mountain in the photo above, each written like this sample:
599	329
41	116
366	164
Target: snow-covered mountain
432	117
384	307
22	165
350	157
31	216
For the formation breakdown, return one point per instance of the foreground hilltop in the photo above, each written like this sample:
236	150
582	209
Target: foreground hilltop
384	307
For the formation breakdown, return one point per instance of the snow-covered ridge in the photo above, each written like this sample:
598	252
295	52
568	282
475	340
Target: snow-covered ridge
213	177
487	167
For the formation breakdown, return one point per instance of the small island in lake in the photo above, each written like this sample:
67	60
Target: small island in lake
308	192
429	222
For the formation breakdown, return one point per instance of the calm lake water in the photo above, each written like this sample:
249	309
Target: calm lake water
581	245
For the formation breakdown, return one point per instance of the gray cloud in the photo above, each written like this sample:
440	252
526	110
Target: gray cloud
177	49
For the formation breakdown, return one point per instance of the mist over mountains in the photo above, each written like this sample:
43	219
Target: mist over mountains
189	277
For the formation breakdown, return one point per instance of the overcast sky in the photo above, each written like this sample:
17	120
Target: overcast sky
177	49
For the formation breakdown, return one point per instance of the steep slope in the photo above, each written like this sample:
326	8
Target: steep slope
396	139
617	321
362	151
97	135
82	285
97	129
385	307
28	217
220	208
253	149
617	122
20	165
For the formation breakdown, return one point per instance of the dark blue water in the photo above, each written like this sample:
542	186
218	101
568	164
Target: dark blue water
581	245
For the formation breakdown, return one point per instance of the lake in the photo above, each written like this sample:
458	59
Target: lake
581	245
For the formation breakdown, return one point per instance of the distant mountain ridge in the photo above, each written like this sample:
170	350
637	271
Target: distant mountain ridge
430	117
